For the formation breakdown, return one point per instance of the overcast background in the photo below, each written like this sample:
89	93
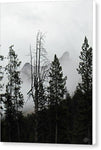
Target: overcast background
65	25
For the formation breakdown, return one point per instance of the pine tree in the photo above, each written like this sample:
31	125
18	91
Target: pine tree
56	90
1	72
85	68
1	85
85	104
41	96
13	96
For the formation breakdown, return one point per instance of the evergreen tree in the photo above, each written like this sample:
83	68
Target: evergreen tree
85	68
1	85
1	72
13	96
56	90
57	83
41	96
85	93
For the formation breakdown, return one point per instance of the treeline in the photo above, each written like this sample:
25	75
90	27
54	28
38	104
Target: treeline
57	117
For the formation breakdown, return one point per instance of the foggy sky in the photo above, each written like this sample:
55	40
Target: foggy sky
65	25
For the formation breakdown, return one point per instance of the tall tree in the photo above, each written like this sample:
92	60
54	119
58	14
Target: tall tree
13	96
38	75
41	96
1	72
85	70
1	85
56	89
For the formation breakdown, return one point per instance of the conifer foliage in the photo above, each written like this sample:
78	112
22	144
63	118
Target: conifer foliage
1	85
85	70
83	98
56	90
1	72
13	100
57	83
58	117
85	67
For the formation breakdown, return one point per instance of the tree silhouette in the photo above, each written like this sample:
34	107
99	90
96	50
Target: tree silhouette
38	75
13	101
56	89
85	103
1	85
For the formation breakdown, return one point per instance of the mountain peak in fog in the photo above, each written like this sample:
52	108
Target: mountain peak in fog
26	65
26	68
65	56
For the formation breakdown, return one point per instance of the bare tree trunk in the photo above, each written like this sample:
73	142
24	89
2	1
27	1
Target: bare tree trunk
35	86
36	92
31	71
36	116
39	59
35	81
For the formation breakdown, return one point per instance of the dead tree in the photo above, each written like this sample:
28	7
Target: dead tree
38	75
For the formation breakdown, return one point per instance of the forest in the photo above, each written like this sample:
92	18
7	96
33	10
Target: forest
57	116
